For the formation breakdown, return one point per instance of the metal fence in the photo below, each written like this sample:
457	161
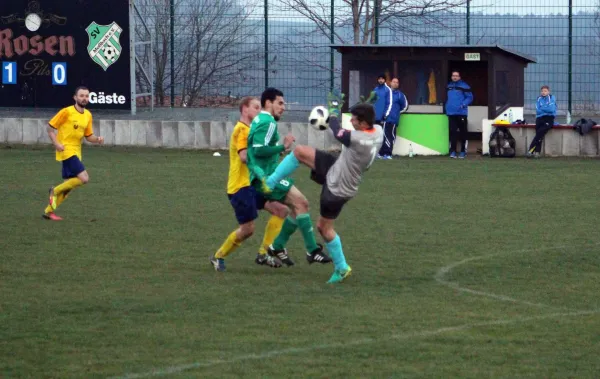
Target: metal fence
208	53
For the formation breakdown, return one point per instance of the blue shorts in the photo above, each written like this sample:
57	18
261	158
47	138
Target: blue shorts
71	167
246	203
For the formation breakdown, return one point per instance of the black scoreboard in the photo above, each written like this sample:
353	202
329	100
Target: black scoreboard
49	47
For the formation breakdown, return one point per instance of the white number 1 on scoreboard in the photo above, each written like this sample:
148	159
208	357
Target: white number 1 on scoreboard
9	72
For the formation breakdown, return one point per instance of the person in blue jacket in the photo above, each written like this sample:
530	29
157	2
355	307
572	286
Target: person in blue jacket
545	110
399	105
457	109
382	104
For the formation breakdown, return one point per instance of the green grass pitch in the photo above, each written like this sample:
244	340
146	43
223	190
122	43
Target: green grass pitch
479	268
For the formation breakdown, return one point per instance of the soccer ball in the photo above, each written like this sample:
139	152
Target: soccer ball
109	52
318	118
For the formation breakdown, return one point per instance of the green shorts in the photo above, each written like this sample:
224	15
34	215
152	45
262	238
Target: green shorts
278	193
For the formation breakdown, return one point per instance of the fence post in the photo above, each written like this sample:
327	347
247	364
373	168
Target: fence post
266	6
468	22
570	79
331	41
172	23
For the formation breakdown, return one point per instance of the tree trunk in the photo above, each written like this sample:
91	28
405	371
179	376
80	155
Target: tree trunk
356	21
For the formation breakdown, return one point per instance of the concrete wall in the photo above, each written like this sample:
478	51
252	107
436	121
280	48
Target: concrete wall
558	142
215	135
476	116
170	134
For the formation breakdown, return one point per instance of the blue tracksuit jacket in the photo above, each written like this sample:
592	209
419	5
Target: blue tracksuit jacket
459	99
382	105
399	105
545	106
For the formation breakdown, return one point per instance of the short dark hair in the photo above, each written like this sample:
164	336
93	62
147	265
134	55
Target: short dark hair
80	88
546	87
245	102
380	76
364	112
269	94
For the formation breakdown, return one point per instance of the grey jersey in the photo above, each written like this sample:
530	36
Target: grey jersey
346	173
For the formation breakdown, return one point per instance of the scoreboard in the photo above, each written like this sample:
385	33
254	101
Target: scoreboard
49	47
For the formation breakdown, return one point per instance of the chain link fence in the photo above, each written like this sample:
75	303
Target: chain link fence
209	53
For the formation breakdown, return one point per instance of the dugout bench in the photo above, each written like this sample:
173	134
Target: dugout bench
561	140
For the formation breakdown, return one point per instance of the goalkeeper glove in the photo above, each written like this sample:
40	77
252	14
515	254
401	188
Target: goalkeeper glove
369	100
334	104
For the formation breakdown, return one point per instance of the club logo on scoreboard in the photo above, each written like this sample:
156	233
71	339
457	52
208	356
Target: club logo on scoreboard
104	47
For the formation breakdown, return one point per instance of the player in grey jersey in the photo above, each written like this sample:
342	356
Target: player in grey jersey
339	176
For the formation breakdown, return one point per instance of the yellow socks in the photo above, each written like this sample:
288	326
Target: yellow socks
230	244
67	186
62	190
59	199
271	231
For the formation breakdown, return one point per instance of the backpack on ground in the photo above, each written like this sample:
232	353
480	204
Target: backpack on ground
584	126
502	143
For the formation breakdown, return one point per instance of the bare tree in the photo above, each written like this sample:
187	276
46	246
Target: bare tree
213	46
157	16
217	46
407	17
355	22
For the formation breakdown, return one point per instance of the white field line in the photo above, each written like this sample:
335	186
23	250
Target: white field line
439	277
365	341
442	272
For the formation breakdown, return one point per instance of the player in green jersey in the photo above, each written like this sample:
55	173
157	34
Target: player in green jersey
264	151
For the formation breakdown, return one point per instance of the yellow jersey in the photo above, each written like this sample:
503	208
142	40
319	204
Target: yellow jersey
239	176
72	126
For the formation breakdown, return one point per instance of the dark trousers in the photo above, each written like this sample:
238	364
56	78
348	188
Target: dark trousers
542	126
458	129
389	137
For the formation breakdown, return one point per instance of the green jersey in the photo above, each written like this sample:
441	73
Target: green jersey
263	146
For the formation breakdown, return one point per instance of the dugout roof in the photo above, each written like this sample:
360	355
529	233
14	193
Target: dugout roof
495	73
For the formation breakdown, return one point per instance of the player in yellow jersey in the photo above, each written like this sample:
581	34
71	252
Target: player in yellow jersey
244	199
66	130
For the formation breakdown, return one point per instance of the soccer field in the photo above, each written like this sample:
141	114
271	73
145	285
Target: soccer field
474	268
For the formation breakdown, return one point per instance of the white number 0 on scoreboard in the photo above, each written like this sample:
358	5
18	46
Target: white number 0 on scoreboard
59	73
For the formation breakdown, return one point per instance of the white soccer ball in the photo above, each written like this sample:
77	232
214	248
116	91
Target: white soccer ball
109	52
318	118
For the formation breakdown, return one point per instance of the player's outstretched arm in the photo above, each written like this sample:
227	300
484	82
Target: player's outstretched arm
372	99
339	133
334	103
